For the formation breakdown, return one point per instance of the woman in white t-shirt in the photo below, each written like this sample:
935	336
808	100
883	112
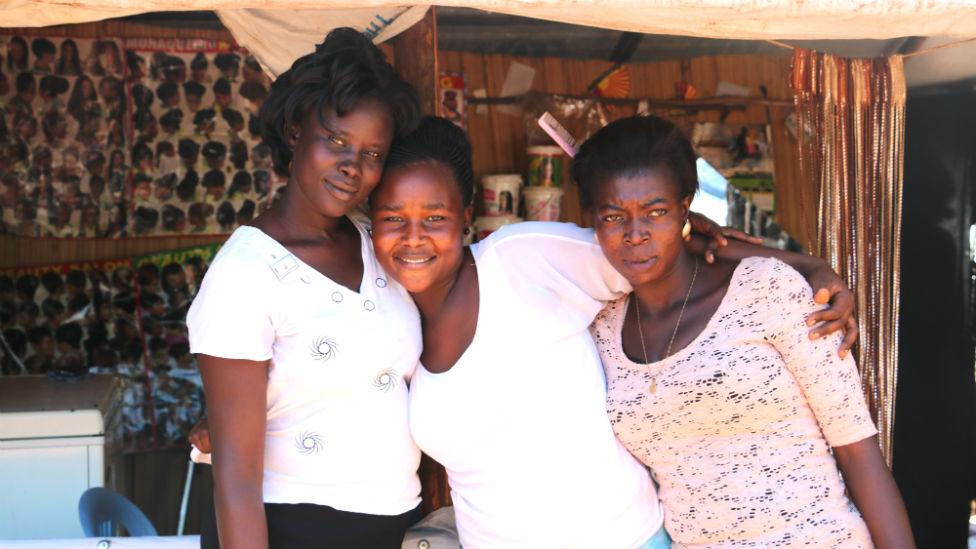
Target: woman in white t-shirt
304	344
511	395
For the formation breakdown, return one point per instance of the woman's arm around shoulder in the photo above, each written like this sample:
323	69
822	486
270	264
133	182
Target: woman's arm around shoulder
828	286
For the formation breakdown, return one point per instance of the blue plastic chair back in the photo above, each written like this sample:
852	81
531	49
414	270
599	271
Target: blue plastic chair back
101	511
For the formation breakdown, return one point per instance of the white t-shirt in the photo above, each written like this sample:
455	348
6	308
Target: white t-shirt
520	420
337	430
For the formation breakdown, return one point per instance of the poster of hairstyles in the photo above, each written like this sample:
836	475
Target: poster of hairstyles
62	137
199	165
167	283
71	319
136	137
123	317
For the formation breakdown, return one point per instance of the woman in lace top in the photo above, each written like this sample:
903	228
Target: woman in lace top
752	429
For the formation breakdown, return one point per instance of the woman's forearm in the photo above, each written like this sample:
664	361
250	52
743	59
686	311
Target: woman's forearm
875	493
241	521
804	264
237	412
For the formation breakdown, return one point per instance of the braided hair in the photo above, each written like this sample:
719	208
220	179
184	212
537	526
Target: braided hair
439	140
342	71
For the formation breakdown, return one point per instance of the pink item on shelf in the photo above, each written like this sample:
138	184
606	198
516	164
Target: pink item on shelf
558	134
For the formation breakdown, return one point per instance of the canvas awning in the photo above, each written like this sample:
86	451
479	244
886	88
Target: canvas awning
755	19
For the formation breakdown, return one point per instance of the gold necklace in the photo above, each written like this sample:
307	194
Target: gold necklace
640	327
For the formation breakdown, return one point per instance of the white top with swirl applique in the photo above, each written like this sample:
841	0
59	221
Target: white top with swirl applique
337	431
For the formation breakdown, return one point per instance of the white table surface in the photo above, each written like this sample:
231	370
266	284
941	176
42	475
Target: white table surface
167	542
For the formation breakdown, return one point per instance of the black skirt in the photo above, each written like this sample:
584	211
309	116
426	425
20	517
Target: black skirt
309	526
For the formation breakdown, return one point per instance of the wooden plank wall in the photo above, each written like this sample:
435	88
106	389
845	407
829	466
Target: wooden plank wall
499	139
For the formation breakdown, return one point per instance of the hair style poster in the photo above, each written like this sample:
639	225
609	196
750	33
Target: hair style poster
123	317
198	165
167	283
72	319
62	129
136	137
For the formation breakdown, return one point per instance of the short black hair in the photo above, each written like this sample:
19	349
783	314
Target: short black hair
70	333
187	148
225	61
170	217
52	281
222	86
7	283
226	215
76	278
343	70
232	116
241	182
213	150
166	90
24	82
164	147
632	146
188	186
214	178
440	140
53	85
51	307
238	153
199	62
27	286
78	302
37	334
193	88
246	211
145	218
204	115
253	91
43	46
172	118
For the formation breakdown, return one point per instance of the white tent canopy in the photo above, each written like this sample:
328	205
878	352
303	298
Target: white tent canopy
755	19
279	31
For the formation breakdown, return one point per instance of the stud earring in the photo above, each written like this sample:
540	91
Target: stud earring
686	230
467	231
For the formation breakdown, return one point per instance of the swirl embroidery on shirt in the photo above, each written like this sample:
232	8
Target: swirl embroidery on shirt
386	380
309	443
324	349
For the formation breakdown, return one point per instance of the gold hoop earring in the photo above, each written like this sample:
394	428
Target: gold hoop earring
686	230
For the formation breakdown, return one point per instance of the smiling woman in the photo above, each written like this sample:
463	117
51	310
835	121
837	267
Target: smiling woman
285	321
510	396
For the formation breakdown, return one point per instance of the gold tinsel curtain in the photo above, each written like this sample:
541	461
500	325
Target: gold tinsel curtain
851	122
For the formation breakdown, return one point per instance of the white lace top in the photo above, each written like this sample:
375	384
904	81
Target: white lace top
739	430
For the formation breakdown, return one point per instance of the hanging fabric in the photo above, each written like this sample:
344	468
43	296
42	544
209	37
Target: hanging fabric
851	130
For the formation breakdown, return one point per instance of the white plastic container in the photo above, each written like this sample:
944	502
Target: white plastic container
486	225
542	203
500	194
546	165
